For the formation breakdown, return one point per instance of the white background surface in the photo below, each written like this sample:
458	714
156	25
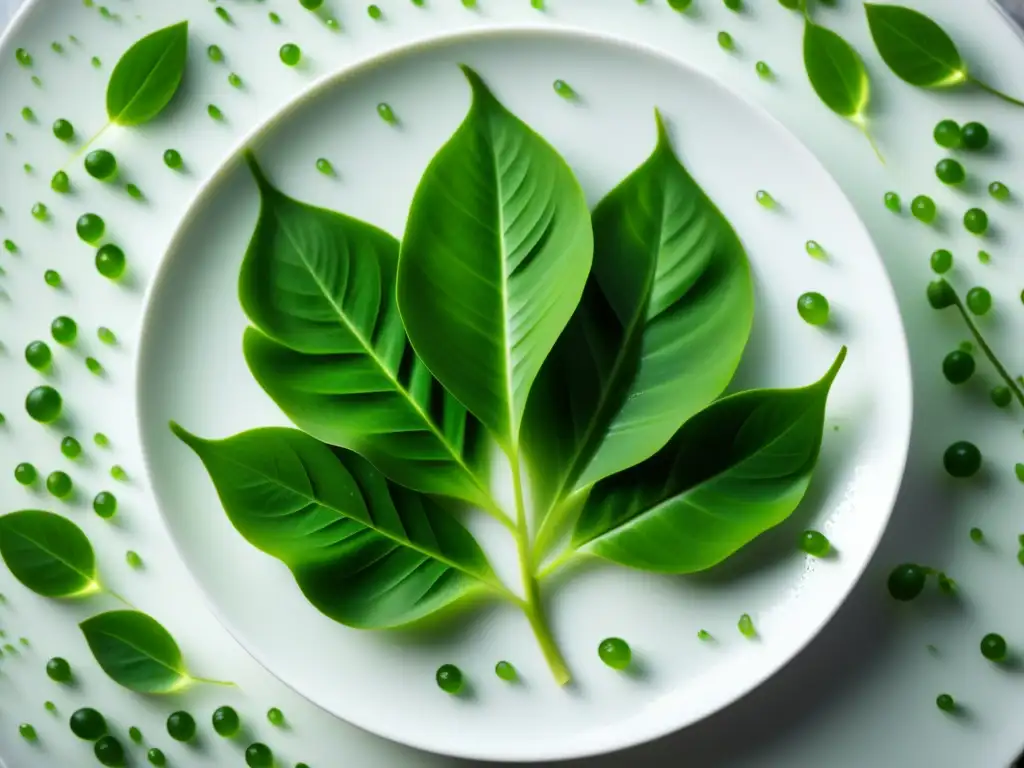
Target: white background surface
863	693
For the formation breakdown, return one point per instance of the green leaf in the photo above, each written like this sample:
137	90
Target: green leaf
364	552
659	334
733	471
48	554
496	252
136	651
147	76
914	47
836	72
332	352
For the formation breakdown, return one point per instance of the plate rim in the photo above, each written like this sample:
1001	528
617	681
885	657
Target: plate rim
251	139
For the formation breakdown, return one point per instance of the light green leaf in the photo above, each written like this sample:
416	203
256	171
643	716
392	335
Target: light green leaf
496	252
48	553
136	651
836	72
659	334
332	352
364	552
147	76
735	470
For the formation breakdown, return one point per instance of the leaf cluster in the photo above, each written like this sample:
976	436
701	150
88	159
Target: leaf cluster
588	348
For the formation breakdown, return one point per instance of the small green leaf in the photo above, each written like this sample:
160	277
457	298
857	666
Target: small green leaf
136	651
147	76
366	553
658	335
331	350
914	47
496	252
733	471
48	554
836	72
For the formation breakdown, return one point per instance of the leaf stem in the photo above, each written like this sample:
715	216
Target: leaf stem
117	597
565	559
976	332
208	681
553	522
996	92
532	606
871	140
82	149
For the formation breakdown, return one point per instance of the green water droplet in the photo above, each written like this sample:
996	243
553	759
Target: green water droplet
765	199
746	626
564	90
386	113
214	112
290	54
324	166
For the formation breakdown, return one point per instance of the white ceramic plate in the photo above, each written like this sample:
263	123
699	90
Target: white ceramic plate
190	369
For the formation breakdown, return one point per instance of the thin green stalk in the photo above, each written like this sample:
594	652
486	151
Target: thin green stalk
871	140
117	597
532	606
208	681
996	92
565	559
82	149
1000	369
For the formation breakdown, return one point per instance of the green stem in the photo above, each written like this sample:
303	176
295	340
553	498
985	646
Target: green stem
996	92
871	141
208	681
565	559
82	149
553	522
532	606
116	596
1000	369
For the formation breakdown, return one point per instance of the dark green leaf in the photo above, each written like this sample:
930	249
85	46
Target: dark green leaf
48	554
364	552
136	651
496	252
147	76
664	319
733	471
836	72
916	48
333	354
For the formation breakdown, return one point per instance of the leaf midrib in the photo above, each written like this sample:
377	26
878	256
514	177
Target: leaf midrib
145	82
179	673
896	31
371	353
638	319
499	233
54	555
666	499
226	456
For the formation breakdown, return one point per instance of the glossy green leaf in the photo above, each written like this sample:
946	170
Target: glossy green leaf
735	470
496	252
135	651
659	334
914	47
48	553
365	552
147	76
332	352
836	72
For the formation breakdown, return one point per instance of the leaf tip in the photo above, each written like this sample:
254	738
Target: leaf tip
181	433
830	376
476	83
